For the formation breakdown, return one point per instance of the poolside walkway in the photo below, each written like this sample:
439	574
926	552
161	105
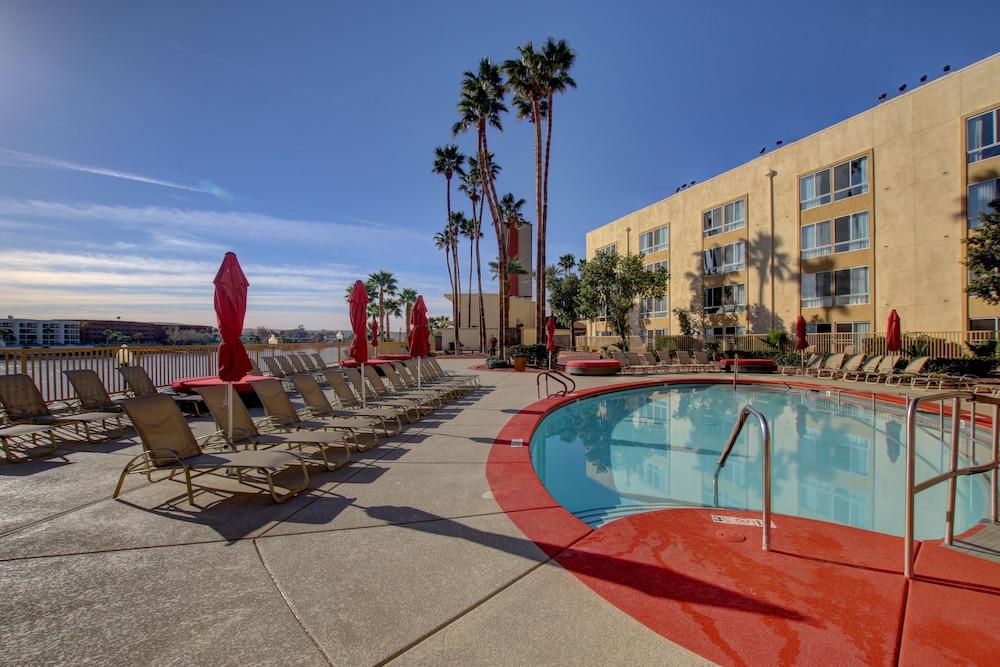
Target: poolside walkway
405	556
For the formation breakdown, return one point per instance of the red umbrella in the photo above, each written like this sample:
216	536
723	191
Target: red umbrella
230	309
800	338
550	337
893	339
358	306
375	334
420	333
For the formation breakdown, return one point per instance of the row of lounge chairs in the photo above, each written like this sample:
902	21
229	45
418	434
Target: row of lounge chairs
645	363
321	433
878	369
282	365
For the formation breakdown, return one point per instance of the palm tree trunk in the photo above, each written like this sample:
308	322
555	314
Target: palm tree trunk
479	276
543	225
490	193
539	224
455	310
468	316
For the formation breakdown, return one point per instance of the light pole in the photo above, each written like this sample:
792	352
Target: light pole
340	342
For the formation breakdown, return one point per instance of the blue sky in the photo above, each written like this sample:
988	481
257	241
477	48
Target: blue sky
140	140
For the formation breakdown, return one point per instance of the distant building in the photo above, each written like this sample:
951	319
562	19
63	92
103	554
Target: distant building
24	332
94	332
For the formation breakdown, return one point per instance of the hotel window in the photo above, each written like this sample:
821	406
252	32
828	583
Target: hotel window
611	248
983	324
854	327
724	259
653	241
982	136
980	196
714	332
850	178
814	190
725	299
662	265
816	240
817	290
819	328
846	287
653	307
650	335
851	232
725	218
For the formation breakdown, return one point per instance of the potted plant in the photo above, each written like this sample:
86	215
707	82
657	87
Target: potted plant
519	353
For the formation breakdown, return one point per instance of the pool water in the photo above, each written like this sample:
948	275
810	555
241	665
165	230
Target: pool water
615	454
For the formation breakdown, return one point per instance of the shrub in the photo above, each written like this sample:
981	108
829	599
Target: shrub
674	343
537	355
980	367
497	362
778	339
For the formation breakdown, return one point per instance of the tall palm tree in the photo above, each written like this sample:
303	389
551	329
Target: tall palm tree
393	307
528	78
442	241
510	209
514	268
467	228
567	263
472	186
385	285
448	161
407	297
480	103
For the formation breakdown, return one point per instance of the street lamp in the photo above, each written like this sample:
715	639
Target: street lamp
273	340
340	340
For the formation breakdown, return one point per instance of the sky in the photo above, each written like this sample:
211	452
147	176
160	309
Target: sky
139	140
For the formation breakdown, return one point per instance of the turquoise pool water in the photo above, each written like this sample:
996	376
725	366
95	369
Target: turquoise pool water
618	453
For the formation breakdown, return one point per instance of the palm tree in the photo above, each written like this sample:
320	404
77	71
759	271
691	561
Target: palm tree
448	161
393	307
480	103
467	229
567	263
514	268
442	241
510	214
407	298
385	285
472	186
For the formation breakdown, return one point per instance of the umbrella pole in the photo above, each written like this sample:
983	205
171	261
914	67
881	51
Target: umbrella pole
362	386
418	372
550	361
229	404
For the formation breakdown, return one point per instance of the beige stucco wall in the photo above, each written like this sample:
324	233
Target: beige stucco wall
918	181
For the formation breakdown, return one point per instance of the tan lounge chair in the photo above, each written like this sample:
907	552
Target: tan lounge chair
833	362
321	364
911	371
283	415
273	369
706	364
430	374
869	366
319	406
408	372
439	394
14	436
140	384
285	366
851	364
412	407
685	359
447	373
883	370
24	405
245	431
814	362
91	392
426	401
169	445
349	400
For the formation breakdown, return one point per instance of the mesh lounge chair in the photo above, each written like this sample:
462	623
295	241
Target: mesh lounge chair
851	364
414	409
348	399
814	361
24	405
430	374
884	368
706	365
318	405
637	363
445	373
140	384
246	433
307	363
685	359
273	369
321	364
91	392
911	371
833	362
425	402
408	372
870	365
285	366
255	369
440	395
15	436
283	415
649	360
169	445
296	363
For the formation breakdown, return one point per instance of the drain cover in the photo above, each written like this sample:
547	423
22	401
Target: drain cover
730	536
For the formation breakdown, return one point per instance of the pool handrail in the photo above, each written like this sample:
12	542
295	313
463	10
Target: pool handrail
912	488
568	384
765	431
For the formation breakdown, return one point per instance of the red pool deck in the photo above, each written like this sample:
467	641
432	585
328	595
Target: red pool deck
823	594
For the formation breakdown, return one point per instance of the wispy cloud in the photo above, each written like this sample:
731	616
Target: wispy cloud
12	158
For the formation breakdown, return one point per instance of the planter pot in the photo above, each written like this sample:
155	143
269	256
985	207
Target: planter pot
520	363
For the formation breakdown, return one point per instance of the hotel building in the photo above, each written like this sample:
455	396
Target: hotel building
842	226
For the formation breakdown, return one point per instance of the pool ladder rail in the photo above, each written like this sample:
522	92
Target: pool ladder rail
566	382
913	488
765	431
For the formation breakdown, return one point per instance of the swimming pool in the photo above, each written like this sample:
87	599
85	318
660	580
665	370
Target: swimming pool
614	454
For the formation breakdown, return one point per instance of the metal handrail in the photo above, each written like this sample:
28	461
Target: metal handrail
568	384
765	431
912	488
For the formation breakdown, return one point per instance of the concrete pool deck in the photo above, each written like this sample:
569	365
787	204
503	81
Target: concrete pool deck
404	556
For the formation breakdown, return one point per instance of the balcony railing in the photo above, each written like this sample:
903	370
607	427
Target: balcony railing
164	363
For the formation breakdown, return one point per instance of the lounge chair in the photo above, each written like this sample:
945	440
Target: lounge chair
255	369
426	401
685	360
285	366
850	365
169	445
432	373
833	362
273	369
884	368
91	392
813	362
869	366
440	394
447	373
705	363
637	363
282	415
912	370
318	406
13	436
140	384
245	431
349	400
649	361
371	397
296	363
408	372
24	405
321	364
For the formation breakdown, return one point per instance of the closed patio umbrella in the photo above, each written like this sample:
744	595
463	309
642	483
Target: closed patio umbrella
358	307
230	310
800	339
550	337
374	340
893	337
420	333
